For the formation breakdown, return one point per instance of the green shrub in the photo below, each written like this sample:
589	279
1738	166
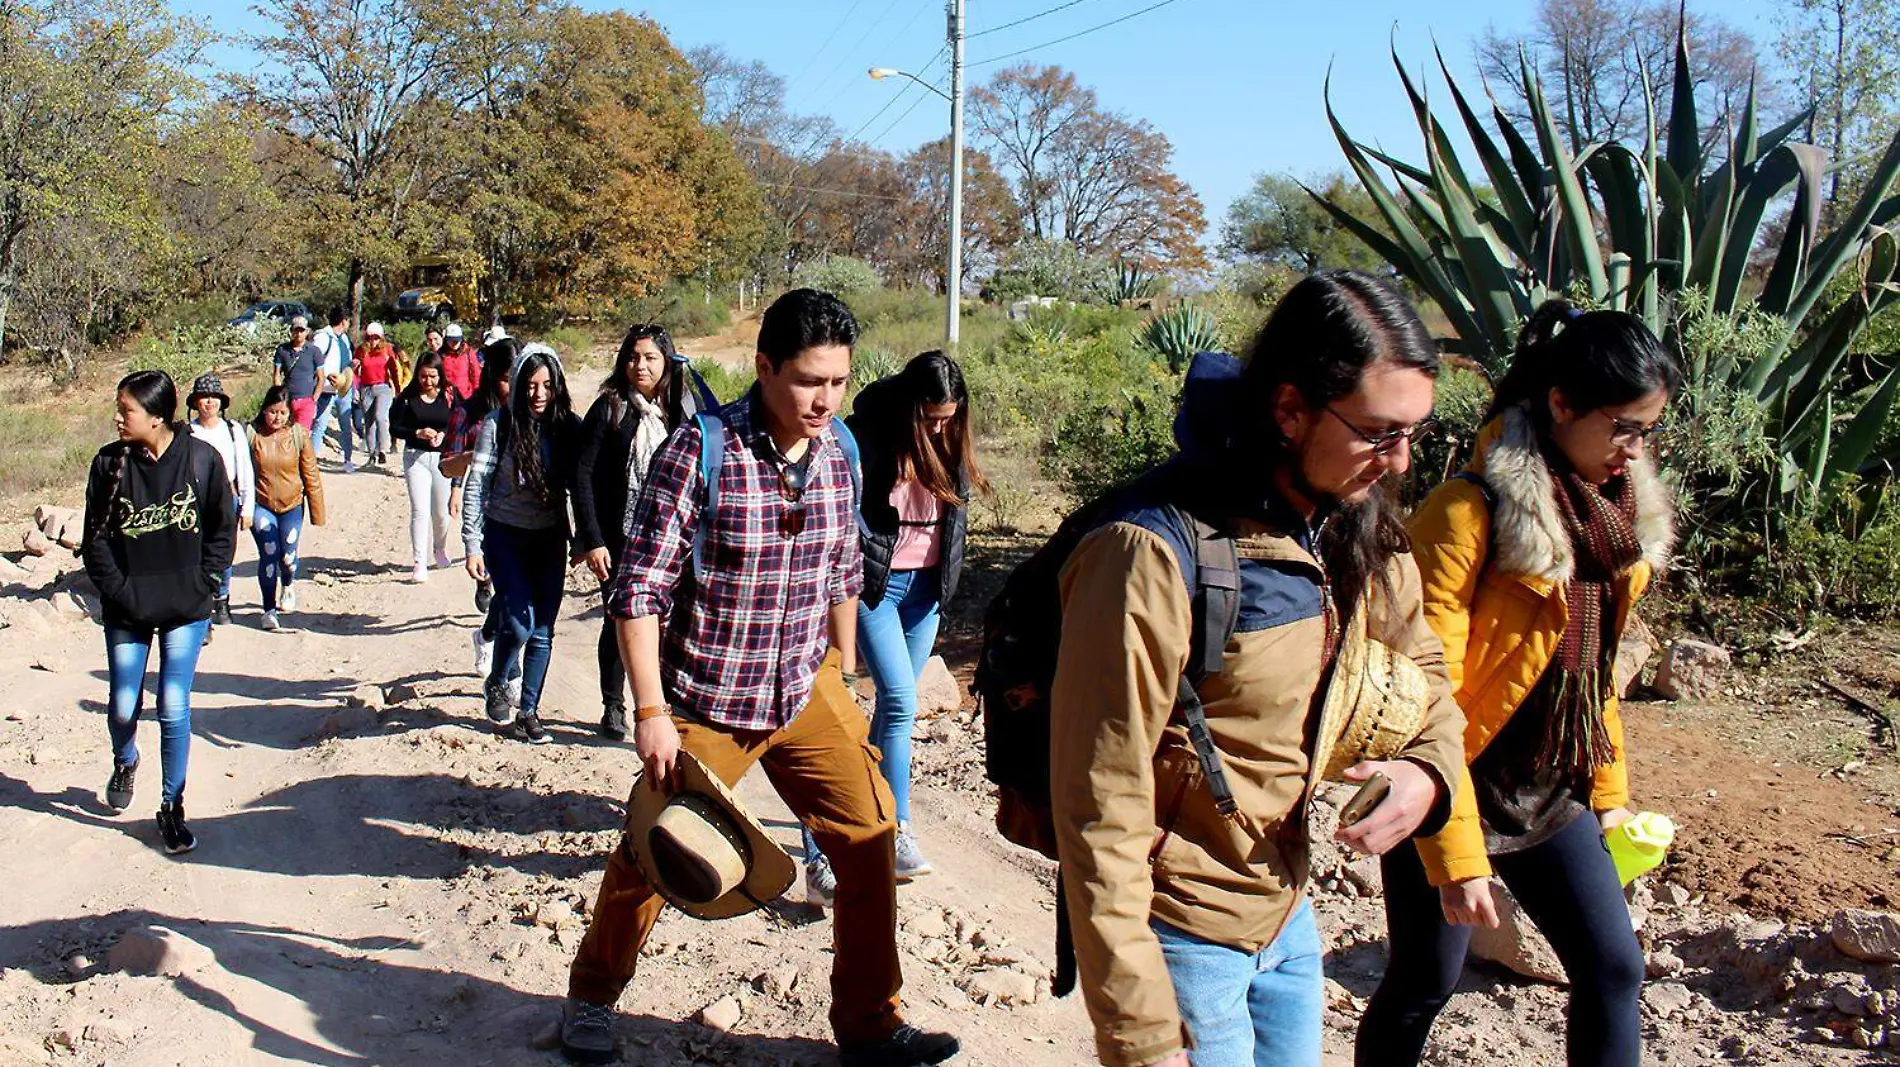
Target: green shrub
843	276
1052	268
682	307
870	362
200	311
409	336
189	351
1112	438
1178	333
571	343
1462	395
728	385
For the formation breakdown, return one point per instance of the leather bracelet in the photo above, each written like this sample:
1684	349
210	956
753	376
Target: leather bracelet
651	711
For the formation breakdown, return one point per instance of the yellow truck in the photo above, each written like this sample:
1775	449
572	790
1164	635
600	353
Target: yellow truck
441	287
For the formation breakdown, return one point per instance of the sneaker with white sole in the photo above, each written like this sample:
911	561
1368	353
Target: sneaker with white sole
501	710
910	859
269	621
821	885
484	654
288	601
121	785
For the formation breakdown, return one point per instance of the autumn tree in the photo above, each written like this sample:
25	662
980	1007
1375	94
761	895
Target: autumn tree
1591	56
362	84
991	223
1092	177
1277	221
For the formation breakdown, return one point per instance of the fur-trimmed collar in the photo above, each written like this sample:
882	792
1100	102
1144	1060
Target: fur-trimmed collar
1528	535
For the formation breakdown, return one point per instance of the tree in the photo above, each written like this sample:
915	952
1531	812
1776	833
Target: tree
86	89
1845	59
1591	56
991	223
1089	176
361	83
1279	222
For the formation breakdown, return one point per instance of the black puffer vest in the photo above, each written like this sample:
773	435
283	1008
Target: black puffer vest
879	418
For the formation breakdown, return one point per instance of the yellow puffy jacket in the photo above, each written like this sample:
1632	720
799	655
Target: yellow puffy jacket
1495	595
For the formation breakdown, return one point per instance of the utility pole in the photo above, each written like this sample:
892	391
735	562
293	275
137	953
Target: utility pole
953	327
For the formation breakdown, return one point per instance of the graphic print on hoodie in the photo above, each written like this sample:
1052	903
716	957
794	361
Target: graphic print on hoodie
172	530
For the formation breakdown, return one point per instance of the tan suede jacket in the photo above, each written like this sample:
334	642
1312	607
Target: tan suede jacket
1138	832
286	469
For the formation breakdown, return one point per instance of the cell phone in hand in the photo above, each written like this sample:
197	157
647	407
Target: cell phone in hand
1367	798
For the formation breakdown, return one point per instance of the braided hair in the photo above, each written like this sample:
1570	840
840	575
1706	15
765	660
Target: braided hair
157	395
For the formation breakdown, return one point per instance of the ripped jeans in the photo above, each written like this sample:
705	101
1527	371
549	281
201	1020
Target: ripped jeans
276	535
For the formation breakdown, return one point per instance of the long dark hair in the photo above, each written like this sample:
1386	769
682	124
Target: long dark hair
424	362
944	464
1327	331
157	395
273	396
671	394
1596	359
522	433
498	359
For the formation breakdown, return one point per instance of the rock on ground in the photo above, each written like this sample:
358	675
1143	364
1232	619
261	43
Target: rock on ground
1516	943
1868	936
158	951
937	689
1691	670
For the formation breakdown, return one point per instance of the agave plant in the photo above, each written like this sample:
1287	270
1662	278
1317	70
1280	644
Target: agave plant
1633	226
1178	333
1131	283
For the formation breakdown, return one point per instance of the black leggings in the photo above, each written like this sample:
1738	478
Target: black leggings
1568	886
613	673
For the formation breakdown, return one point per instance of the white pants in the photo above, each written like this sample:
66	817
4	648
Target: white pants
428	505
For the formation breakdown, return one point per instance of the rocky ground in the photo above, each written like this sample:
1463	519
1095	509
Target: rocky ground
382	881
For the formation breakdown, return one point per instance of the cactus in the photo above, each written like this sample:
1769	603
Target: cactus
1178	333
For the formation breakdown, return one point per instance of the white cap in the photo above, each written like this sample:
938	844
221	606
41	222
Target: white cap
495	333
374	329
454	331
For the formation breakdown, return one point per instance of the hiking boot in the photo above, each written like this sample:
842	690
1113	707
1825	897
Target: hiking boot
119	787
172	829
613	721
910	859
484	654
527	727
221	611
821	886
484	596
269	622
908	1047
587	1032
501	710
287	602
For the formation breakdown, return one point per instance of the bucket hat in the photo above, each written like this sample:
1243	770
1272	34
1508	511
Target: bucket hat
701	850
208	385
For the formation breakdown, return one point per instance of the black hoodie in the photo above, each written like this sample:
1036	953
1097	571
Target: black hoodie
172	530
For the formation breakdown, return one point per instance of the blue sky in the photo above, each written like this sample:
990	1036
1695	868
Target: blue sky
1235	84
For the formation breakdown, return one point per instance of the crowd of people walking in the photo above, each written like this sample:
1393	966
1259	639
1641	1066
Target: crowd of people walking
1168	682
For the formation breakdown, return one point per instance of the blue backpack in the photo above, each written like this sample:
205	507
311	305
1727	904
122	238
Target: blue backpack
712	454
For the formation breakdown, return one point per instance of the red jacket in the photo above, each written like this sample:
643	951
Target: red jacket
377	363
461	368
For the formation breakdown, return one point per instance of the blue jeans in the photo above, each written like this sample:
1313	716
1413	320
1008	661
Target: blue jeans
342	406
895	640
276	536
1250	1009
224	584
529	569
127	651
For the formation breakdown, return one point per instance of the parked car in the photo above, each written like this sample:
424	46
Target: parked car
279	311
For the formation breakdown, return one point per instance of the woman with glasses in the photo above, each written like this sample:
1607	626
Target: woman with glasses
1532	559
642	401
514	526
919	457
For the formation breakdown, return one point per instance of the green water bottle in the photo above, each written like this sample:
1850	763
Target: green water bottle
1638	844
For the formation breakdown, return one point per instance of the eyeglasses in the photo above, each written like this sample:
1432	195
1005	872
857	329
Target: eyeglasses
1383	444
1626	434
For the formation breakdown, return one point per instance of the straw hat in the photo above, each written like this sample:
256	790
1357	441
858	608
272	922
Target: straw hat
703	852
1375	705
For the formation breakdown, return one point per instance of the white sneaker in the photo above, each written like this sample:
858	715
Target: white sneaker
484	654
420	573
442	559
270	620
821	886
288	601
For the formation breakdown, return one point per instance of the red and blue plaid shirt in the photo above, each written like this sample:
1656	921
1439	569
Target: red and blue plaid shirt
743	641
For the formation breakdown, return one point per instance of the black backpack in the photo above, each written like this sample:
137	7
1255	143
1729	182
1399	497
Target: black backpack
1022	632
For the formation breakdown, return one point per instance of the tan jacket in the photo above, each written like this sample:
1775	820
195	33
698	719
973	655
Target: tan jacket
286	471
1125	641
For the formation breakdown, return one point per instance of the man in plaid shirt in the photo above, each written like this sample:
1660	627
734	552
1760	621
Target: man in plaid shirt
747	668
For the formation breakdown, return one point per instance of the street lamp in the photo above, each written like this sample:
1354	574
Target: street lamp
954	271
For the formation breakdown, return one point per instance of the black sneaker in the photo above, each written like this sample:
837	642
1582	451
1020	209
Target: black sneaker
172	829
501	710
527	727
613	721
587	1032
484	595
119	787
221	611
908	1047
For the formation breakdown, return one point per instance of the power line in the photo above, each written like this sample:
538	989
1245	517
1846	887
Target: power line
882	49
849	52
909	86
1026	18
875	141
813	57
1073	36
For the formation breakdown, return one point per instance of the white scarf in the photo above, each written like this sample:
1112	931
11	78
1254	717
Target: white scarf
649	433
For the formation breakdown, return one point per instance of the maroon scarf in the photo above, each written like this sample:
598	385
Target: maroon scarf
1576	686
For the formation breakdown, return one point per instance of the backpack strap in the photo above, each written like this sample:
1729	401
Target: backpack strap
1216	599
707	400
848	444
712	455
